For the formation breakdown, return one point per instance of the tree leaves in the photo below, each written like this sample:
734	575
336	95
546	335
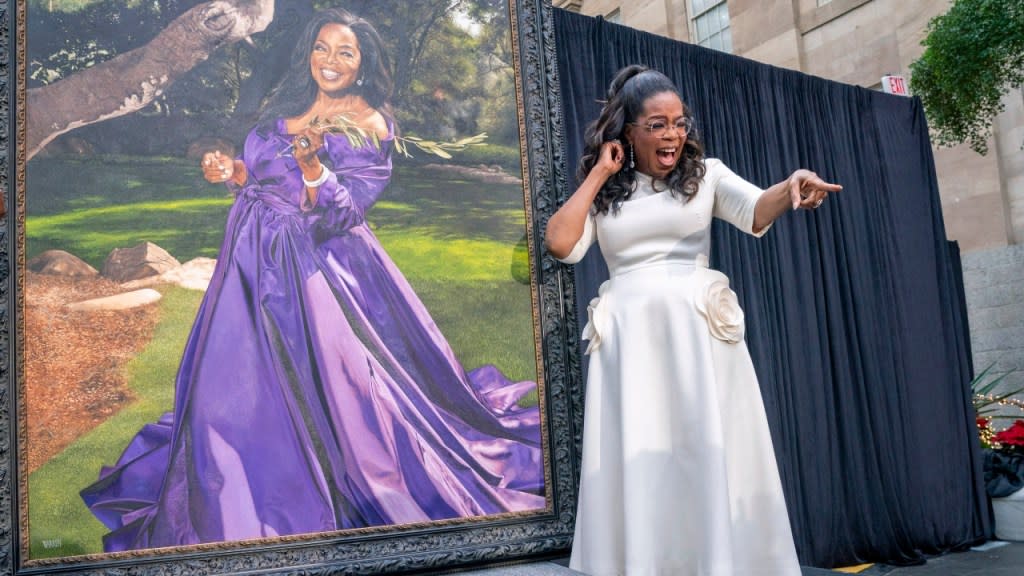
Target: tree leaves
359	137
974	55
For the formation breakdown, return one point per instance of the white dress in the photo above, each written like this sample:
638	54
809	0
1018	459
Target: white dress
679	475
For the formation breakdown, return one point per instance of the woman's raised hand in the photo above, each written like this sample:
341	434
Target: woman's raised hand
611	158
306	144
217	167
807	190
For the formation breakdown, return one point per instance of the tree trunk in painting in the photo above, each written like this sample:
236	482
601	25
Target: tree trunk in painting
131	81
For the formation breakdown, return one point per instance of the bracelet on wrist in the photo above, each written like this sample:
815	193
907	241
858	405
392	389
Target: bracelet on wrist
319	179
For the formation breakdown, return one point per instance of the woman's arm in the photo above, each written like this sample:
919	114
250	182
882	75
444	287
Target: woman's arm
310	139
803	189
566	225
338	197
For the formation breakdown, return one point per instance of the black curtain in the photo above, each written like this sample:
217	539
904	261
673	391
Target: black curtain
855	315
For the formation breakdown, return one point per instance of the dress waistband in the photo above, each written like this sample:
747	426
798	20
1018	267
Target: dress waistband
254	193
701	261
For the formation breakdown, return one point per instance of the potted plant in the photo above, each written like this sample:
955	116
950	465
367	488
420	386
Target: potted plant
1003	452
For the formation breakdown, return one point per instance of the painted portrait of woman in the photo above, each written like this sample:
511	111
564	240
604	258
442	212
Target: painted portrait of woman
315	390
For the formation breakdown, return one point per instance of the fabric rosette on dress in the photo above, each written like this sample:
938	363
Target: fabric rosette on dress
597	318
720	307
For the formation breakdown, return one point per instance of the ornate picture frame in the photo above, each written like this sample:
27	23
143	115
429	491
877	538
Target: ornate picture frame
425	547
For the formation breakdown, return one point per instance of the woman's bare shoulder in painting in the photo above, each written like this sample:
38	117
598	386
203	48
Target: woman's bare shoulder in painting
352	111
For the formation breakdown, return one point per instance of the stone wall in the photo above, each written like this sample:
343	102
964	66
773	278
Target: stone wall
663	17
994	287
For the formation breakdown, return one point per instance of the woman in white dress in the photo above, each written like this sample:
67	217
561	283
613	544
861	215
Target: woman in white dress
679	475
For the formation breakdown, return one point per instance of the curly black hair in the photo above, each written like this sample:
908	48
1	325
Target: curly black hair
628	92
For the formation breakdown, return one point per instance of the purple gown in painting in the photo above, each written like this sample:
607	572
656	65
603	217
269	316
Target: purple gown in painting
315	392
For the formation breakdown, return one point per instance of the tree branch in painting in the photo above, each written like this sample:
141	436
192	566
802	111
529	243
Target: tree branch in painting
132	80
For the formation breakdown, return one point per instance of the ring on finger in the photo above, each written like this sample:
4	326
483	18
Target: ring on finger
304	142
818	203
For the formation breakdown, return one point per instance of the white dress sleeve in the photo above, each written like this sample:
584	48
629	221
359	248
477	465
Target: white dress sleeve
735	198
583	244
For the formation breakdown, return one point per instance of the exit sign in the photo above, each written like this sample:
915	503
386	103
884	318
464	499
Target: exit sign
894	84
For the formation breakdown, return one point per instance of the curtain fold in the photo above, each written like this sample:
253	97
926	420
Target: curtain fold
855	314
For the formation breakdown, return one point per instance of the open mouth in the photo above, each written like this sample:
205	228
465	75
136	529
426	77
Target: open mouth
667	156
329	74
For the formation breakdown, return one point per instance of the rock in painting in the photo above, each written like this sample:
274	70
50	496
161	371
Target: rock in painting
122	301
60	263
140	261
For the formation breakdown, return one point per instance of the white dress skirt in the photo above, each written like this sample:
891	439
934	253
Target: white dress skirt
679	475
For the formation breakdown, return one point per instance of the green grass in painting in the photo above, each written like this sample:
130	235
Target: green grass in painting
57	515
60	184
495	340
420	255
185	228
118	202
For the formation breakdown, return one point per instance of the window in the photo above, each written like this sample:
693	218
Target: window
711	24
823	2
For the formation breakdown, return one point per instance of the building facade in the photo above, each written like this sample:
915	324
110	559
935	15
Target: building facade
855	42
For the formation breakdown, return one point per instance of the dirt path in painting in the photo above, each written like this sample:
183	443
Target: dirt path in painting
74	361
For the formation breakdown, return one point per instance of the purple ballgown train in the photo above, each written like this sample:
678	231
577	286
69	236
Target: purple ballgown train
315	392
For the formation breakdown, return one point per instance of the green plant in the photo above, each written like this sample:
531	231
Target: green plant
974	54
987	404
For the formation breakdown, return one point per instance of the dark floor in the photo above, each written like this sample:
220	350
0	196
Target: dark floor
992	559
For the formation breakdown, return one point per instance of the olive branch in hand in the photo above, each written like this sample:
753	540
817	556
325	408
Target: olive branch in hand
359	137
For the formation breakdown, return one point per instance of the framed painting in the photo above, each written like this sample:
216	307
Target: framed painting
276	297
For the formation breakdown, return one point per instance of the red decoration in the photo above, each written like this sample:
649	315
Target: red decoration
1012	436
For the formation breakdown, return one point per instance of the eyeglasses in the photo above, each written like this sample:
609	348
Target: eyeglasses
659	128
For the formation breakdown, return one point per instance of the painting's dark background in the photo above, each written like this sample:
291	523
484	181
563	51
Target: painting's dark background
448	83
